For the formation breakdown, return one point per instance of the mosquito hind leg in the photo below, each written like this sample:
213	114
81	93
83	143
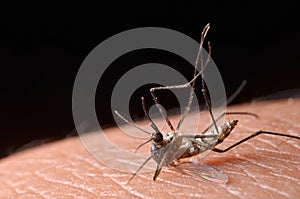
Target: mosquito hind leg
252	136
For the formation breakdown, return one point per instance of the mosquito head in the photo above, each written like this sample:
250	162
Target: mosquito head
157	137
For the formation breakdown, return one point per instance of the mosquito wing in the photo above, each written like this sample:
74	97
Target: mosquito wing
200	171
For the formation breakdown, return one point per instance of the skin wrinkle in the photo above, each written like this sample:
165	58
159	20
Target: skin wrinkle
10	187
235	193
293	123
66	183
171	182
38	193
194	181
80	186
273	190
273	151
256	182
266	141
294	180
297	146
128	189
280	159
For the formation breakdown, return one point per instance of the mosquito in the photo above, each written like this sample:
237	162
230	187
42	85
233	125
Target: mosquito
169	149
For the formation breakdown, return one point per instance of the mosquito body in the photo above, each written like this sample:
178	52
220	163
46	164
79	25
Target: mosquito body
169	149
175	145
185	146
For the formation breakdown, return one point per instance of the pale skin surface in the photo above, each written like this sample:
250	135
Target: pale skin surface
264	167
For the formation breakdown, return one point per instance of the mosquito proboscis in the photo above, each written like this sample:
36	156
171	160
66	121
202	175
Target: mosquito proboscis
169	149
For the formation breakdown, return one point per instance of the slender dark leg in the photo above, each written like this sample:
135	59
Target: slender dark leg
199	56
252	136
157	171
204	91
208	104
189	84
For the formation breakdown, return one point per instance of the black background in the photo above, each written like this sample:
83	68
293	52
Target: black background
43	46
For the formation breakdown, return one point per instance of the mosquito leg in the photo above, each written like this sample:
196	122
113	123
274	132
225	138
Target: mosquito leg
139	169
153	125
191	83
157	172
188	107
160	109
252	136
199	55
203	66
137	148
208	104
152	90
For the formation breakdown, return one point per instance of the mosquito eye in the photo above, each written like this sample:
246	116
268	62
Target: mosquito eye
158	137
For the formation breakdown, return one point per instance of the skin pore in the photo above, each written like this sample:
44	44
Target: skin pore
264	167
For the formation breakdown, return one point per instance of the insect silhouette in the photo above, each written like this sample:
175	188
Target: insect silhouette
169	149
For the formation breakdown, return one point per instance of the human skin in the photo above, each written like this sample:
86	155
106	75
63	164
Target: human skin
264	167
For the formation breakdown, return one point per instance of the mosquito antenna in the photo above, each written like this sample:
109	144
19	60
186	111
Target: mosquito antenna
237	92
130	123
143	144
139	169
